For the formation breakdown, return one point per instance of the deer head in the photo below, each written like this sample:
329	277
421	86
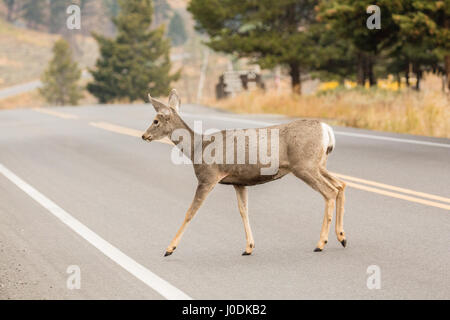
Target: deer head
166	118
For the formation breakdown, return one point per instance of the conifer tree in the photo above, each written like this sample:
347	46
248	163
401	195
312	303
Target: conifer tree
425	30
60	80
136	61
269	32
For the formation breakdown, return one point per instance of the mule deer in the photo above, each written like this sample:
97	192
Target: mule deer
303	148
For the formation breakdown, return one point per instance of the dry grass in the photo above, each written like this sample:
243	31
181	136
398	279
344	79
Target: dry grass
33	99
421	113
30	99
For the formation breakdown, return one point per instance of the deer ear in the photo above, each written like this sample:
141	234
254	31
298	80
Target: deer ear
158	106
174	100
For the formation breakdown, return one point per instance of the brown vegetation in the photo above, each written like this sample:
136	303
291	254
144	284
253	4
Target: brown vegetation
421	113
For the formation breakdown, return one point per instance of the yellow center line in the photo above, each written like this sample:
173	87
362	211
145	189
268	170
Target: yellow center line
124	130
399	196
117	129
62	115
138	134
389	187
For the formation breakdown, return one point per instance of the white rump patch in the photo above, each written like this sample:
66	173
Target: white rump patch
328	139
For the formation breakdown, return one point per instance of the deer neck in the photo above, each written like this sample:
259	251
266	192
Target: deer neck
194	139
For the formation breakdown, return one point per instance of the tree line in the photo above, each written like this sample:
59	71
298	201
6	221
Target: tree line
325	39
50	15
132	63
330	38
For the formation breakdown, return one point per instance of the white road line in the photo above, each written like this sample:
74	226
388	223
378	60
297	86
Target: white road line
158	284
351	134
369	136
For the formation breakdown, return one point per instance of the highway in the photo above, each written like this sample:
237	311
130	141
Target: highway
79	187
19	88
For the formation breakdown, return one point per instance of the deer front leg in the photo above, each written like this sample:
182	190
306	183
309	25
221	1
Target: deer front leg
242	197
200	195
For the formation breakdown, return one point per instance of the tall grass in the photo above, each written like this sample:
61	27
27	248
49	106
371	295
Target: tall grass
421	113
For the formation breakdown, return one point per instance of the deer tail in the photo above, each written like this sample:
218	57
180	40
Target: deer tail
328	139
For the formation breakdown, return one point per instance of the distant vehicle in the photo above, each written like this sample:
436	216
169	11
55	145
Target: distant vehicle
234	82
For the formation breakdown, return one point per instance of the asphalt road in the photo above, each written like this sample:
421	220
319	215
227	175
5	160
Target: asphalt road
77	189
27	86
19	88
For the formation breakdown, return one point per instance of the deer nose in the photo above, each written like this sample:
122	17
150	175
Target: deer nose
144	137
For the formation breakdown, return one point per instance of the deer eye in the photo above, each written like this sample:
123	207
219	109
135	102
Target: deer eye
155	121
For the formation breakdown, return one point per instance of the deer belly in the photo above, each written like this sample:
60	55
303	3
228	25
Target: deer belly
253	179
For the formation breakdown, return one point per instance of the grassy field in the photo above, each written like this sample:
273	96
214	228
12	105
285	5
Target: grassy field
406	111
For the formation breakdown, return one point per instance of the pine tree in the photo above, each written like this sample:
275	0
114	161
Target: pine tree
176	31
348	19
332	58
424	27
269	32
136	61
60	80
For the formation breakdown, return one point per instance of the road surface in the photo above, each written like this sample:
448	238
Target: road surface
19	89
78	187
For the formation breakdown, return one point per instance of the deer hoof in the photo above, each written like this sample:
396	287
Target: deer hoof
167	253
317	250
245	253
344	243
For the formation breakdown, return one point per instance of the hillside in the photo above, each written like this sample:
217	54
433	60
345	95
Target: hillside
24	53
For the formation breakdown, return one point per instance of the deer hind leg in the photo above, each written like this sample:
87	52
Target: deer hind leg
340	201
203	189
242	197
319	183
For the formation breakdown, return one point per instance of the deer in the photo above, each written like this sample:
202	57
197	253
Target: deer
303	149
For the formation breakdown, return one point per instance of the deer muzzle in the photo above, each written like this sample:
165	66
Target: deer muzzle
146	137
